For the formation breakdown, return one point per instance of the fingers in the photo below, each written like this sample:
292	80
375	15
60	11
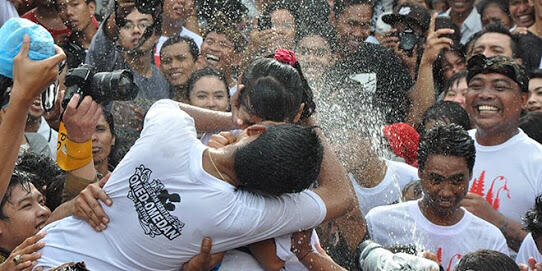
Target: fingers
432	23
29	241
89	209
72	105
104	180
221	140
56	59
206	246
25	47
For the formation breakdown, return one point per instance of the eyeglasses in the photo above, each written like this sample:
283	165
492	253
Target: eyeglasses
141	26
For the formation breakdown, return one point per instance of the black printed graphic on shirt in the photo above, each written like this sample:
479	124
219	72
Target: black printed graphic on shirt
153	204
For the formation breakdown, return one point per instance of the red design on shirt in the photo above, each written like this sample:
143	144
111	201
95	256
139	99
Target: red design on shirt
491	197
451	262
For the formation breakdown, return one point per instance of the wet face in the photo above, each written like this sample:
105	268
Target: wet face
217	51
522	12
494	14
211	93
131	33
176	10
452	64
284	25
76	14
493	44
27	214
353	27
534	104
461	6
176	63
315	56
445	180
102	141
457	92
494	102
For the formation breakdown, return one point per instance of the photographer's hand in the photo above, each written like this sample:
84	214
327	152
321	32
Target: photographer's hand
80	121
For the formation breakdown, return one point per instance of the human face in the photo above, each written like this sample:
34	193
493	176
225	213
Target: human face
494	14
76	14
36	110
445	180
27	214
284	25
493	44
102	141
537	4
211	93
353	27
457	92
176	63
521	12
177	10
452	64
440	6
315	56
535	95
131	33
217	51
494	102
461	6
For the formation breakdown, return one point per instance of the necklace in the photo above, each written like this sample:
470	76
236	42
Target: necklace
213	162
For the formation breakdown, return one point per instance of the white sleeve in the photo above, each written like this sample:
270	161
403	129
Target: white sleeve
166	117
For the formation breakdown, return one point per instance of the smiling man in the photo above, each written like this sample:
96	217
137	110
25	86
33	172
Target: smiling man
507	175
436	223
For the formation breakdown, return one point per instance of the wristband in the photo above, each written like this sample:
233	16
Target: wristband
72	155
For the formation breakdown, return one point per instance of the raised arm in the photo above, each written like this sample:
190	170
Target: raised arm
209	120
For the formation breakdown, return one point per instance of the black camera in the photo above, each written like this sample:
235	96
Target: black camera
102	87
148	6
407	41
264	22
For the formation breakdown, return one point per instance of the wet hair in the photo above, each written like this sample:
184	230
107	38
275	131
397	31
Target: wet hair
197	75
341	5
275	90
192	46
448	112
222	25
449	140
285	158
502	5
17	178
533	219
531	124
486	260
438	71
43	172
324	30
454	80
500	29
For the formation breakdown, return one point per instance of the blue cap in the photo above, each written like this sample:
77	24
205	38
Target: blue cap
11	39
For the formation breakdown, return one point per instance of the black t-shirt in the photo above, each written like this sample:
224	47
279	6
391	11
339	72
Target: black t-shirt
372	73
531	50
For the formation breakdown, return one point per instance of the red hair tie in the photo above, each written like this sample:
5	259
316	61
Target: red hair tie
285	56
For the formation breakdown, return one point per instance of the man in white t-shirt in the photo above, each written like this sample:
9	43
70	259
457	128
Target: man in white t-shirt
507	175
530	247
170	191
436	223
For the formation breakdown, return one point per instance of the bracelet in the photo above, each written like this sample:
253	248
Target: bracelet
72	155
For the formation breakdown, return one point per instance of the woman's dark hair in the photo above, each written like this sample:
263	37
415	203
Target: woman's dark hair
454	80
533	219
275	90
197	75
486	260
451	140
531	124
449	112
438	71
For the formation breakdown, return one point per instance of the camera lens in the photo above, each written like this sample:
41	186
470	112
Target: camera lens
116	85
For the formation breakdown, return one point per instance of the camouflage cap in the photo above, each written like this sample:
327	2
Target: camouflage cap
498	64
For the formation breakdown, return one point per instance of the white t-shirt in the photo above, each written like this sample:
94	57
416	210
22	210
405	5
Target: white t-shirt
509	175
389	190
471	25
50	135
164	204
528	249
404	224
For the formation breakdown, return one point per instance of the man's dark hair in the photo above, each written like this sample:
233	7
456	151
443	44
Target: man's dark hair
324	30
274	90
449	140
43	172
17	178
223	25
531	124
500	29
192	46
533	219
207	71
341	5
448	112
285	158
486	260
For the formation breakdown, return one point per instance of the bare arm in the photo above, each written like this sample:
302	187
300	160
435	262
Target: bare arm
265	253
209	120
312	260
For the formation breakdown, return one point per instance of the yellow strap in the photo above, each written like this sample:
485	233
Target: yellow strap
70	155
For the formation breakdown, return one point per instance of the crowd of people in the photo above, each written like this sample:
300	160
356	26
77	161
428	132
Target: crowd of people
270	134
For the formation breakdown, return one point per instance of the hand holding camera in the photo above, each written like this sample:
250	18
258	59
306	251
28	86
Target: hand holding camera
436	41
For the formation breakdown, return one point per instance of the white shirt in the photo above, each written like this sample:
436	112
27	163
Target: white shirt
528	249
50	135
509	175
471	25
389	190
165	203
404	224
7	11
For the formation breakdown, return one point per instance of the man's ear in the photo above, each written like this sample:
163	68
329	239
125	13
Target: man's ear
256	129
524	99
299	112
519	60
